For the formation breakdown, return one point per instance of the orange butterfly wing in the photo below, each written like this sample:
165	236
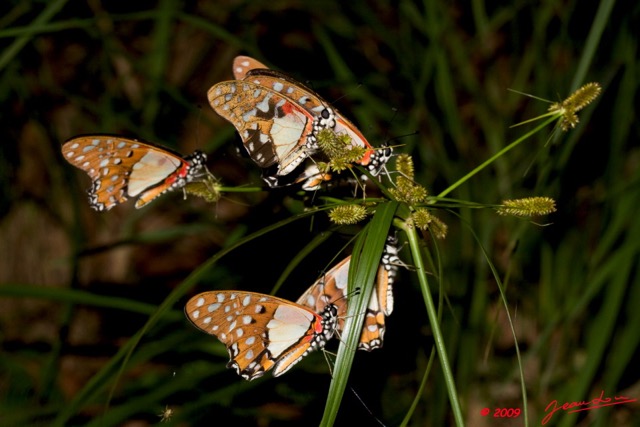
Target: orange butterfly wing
121	168
249	69
243	64
260	331
274	130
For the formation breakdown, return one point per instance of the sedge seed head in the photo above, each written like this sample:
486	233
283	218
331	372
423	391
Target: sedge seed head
208	189
347	214
339	148
528	206
424	219
574	103
408	192
404	165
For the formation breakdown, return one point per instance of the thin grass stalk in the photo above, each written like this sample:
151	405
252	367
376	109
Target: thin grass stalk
101	379
44	17
503	297
435	326
600	22
497	155
79	297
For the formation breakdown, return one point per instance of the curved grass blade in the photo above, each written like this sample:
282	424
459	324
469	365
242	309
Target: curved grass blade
362	272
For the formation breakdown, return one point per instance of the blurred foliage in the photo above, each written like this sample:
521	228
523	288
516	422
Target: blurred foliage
76	285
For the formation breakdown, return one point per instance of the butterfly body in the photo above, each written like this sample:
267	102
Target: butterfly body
261	332
331	288
121	168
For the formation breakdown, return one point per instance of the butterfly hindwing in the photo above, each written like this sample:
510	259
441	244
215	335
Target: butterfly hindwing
331	288
243	64
274	130
260	331
121	168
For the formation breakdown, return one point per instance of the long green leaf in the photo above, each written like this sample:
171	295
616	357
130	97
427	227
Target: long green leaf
362	272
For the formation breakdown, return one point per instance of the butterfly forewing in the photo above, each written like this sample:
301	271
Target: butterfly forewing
121	168
274	130
260	331
373	159
243	64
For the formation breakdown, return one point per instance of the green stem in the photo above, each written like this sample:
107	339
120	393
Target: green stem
495	156
433	320
12	50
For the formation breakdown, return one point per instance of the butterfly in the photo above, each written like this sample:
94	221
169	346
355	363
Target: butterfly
276	131
250	69
332	286
121	168
279	119
261	332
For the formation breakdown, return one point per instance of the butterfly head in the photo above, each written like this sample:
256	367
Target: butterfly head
326	119
379	159
197	165
329	324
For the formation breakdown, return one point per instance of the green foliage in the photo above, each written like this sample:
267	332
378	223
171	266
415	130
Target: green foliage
521	313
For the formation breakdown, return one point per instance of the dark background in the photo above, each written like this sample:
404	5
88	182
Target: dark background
441	69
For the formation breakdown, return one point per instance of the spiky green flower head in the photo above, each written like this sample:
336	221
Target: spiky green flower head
423	219
348	214
208	189
528	206
407	190
574	103
340	149
404	165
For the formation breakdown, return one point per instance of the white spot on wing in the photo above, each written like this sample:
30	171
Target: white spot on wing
264	104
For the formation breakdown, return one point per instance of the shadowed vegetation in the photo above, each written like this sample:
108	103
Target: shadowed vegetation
92	330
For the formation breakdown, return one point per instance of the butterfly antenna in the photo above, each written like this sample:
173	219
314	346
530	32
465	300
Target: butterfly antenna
326	354
198	122
345	95
393	117
366	407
